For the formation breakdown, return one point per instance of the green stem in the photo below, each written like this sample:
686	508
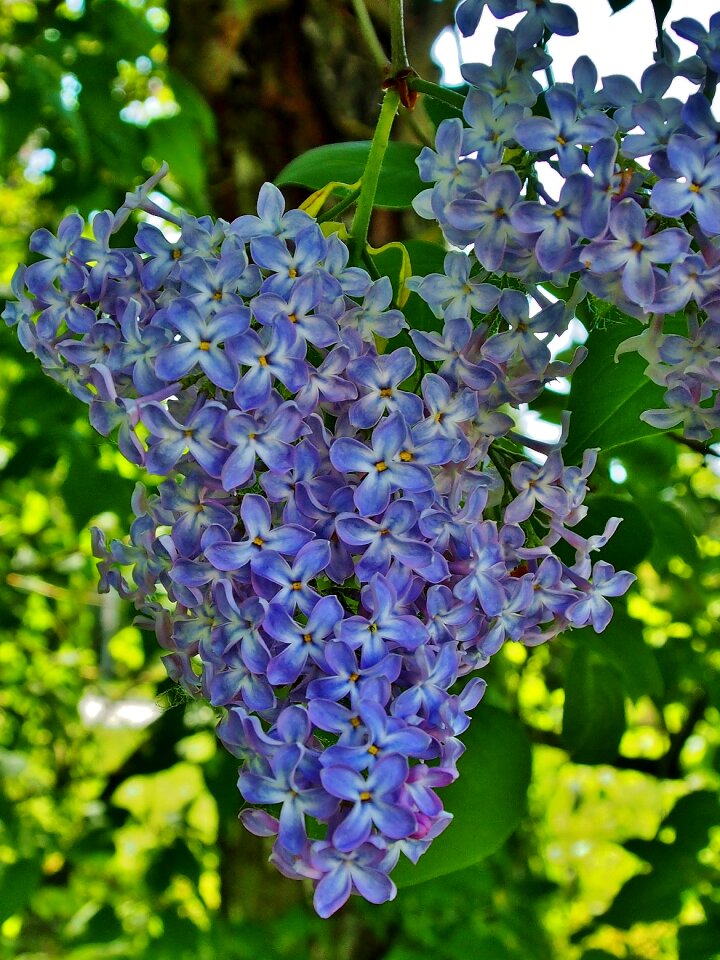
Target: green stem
370	265
397	37
341	206
371	174
437	92
369	34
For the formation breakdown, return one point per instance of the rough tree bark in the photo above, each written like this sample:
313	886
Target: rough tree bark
282	76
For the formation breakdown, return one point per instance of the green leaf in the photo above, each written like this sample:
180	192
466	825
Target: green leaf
18	882
621	646
607	398
647	898
657	895
89	490
487	800
425	258
399	180
438	110
631	542
102	927
650	464
180	938
550	405
673	536
594	712
169	862
699	942
177	140
691	818
120	26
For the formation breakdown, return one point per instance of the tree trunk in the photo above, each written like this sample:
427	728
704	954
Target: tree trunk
281	77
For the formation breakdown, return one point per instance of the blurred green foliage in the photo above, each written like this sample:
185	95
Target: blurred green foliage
118	812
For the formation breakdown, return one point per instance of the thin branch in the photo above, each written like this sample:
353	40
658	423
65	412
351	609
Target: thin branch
369	34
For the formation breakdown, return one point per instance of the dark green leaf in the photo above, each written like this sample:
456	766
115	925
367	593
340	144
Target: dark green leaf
699	942
177	140
102	927
121	26
622	646
425	258
18	882
550	405
672	534
650	463
193	106
647	898
631	542
89	490
169	862
594	712
691	818
618	5
487	801
438	110
345	162
657	895
179	940
607	398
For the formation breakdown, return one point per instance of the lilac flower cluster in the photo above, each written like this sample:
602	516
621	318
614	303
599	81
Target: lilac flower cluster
643	238
342	535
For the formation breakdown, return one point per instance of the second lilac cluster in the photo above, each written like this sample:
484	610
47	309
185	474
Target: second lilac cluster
634	219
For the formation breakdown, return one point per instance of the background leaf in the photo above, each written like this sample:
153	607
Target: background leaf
607	398
594	711
487	801
399	180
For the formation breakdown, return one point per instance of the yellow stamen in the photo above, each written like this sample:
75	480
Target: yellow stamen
258	541
380	466
204	345
366	795
386	392
297	585
406	456
373	749
262	361
217	295
307	638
